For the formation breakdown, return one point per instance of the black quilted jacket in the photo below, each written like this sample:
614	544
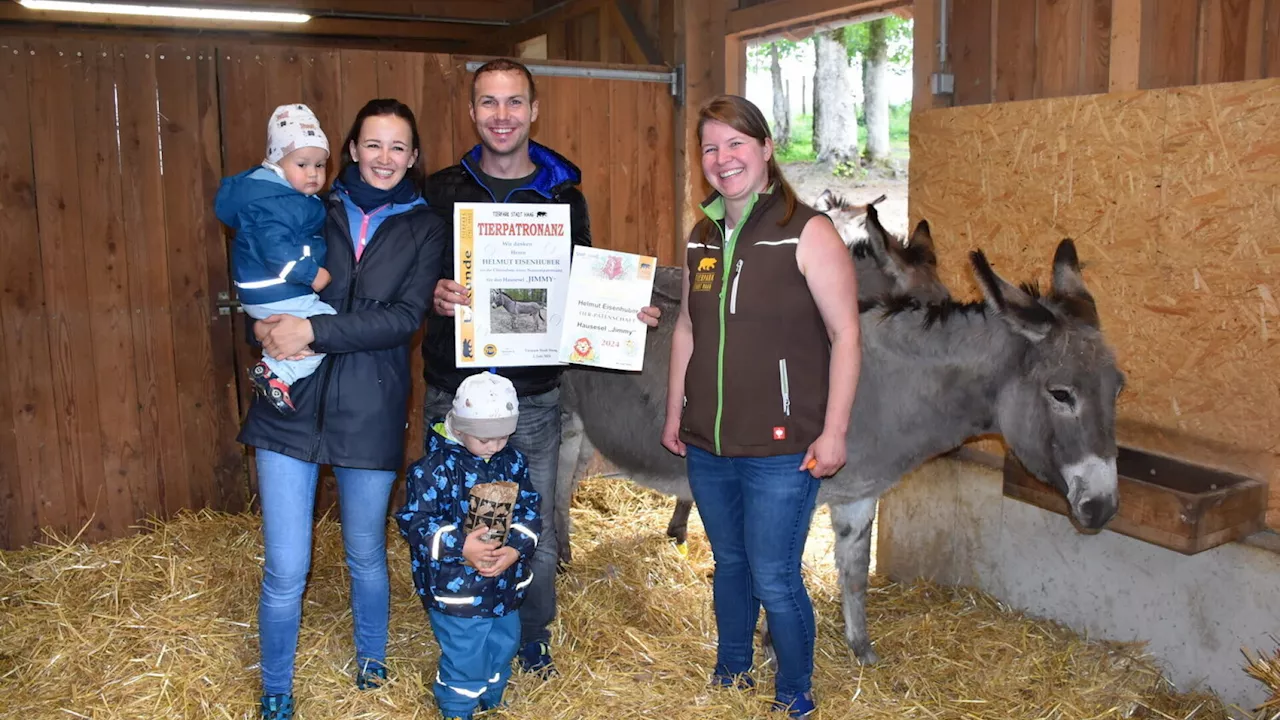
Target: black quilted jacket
557	181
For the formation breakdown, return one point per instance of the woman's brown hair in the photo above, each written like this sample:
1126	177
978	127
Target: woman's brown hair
742	115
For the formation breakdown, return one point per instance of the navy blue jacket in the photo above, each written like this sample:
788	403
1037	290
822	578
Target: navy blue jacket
437	494
278	247
352	411
557	182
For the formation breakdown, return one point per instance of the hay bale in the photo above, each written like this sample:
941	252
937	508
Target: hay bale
162	625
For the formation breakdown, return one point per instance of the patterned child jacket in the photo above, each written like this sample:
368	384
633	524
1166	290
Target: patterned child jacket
437	494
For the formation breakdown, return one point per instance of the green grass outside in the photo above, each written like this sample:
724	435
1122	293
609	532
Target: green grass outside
801	147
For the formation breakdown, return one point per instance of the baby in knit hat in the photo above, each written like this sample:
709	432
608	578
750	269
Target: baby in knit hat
278	256
472	588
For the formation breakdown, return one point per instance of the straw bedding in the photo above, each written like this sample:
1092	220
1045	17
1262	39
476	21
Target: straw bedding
162	625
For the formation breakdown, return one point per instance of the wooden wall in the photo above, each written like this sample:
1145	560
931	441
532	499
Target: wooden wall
632	32
1006	50
1172	197
117	394
121	386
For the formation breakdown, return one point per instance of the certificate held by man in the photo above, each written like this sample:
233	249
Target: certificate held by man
514	260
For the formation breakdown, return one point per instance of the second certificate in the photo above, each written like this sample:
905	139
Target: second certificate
514	258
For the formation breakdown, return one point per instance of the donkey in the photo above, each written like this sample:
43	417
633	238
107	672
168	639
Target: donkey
1034	369
844	214
500	299
619	409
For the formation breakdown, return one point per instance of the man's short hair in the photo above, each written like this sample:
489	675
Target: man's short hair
504	65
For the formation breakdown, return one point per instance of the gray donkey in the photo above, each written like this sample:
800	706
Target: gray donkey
1035	369
498	298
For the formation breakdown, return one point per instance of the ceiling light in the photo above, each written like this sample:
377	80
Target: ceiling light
195	13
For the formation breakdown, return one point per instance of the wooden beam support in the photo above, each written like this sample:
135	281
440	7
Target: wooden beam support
634	37
701	41
1254	47
779	15
735	65
1125	70
925	54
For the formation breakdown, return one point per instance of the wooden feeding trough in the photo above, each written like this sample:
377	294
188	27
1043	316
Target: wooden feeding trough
1164	501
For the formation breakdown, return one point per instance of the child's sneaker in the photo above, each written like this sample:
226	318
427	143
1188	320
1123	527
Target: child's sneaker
535	657
277	707
796	706
371	676
272	388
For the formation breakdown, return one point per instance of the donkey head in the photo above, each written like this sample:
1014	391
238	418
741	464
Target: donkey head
1057	408
910	268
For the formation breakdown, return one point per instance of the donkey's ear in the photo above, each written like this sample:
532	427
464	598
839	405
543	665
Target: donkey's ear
1024	314
922	237
878	239
1068	285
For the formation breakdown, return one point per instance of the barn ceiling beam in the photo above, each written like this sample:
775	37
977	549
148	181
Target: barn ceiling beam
780	16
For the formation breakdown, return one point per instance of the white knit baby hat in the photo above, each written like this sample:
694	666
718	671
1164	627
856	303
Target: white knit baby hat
485	406
291	127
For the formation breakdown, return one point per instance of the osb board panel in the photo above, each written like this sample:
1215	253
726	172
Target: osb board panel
1172	197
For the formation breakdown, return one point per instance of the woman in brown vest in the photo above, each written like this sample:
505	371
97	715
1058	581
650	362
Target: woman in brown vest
764	364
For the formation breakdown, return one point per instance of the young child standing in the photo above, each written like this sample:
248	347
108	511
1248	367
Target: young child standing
278	255
471	588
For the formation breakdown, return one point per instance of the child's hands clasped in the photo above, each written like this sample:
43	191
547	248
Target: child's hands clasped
489	558
507	556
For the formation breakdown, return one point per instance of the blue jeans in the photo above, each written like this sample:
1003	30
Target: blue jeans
288	490
537	435
475	661
756	512
303	306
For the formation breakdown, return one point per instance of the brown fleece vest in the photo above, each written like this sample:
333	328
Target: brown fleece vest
757	381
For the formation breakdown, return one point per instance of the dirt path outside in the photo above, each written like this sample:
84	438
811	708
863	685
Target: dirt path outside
810	179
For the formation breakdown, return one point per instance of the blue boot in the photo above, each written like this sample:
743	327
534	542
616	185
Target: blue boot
796	706
535	657
277	707
371	675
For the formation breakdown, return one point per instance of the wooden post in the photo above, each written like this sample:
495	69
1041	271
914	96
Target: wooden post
1126	46
925	54
700	49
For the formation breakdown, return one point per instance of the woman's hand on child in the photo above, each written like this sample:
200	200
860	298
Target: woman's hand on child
479	553
284	336
507	556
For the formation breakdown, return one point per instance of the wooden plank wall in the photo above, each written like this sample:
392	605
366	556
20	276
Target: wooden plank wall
120	385
1006	50
632	32
1171	196
118	391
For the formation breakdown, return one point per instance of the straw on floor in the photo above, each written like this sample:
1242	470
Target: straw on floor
161	625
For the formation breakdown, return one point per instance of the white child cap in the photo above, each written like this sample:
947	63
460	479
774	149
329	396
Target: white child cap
291	127
485	406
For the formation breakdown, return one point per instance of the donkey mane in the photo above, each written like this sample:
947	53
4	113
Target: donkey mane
933	313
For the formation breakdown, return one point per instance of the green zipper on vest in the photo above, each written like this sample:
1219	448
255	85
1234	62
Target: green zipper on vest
724	295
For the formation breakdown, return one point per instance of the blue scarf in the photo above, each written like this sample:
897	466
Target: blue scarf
367	197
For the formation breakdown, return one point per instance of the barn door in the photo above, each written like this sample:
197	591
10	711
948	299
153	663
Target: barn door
117	400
